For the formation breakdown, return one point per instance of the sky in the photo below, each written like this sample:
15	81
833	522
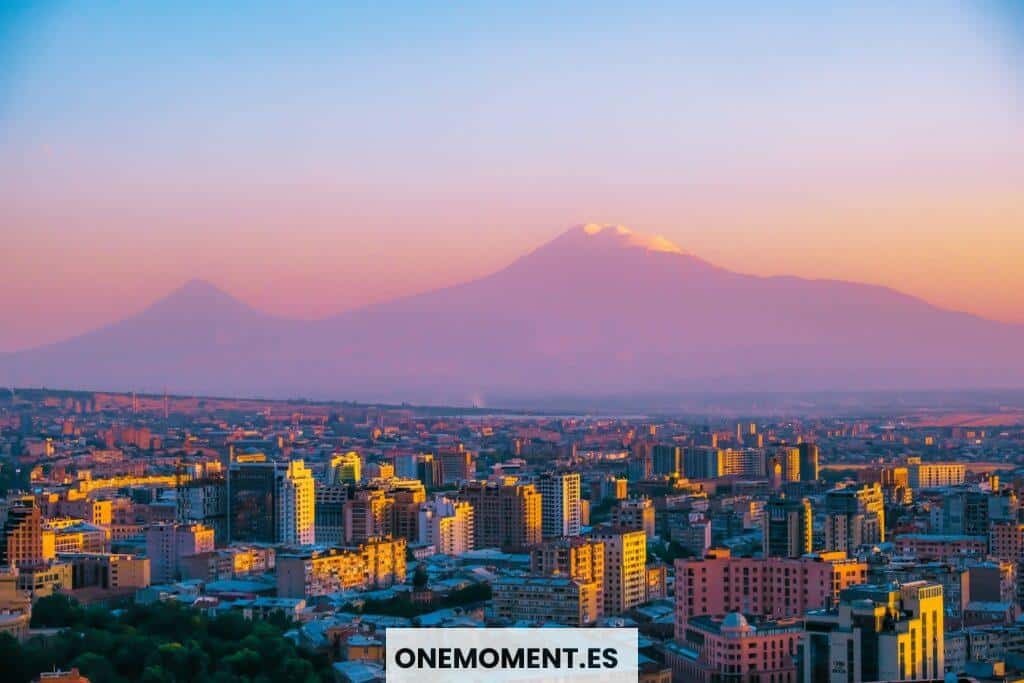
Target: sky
311	160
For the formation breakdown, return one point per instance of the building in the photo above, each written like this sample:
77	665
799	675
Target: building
746	463
787	527
789	457
505	515
666	460
377	563
809	465
253	501
546	599
345	468
368	514
934	475
447	525
716	649
625	568
854	517
24	542
329	514
296	505
108	571
205	501
228	563
578	557
15	605
878	633
457	465
560	504
635	513
703	462
166	544
774	588
941	547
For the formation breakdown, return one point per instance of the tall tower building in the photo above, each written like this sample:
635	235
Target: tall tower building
854	517
368	515
271	502
297	502
24	542
447	525
560	504
809	461
787	527
505	515
625	569
790	456
667	460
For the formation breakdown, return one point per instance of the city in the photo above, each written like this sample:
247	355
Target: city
512	342
824	549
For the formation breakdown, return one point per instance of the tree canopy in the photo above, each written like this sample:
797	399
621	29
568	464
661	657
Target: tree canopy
160	643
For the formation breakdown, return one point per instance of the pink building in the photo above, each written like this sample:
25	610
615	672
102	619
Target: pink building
941	547
731	649
773	588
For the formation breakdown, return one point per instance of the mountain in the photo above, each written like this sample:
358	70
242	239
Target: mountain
600	310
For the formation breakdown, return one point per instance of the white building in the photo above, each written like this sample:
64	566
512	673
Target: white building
296	505
447	525
560	504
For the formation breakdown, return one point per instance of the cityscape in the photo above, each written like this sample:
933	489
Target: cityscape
512	342
873	548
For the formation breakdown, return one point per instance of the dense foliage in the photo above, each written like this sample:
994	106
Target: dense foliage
159	643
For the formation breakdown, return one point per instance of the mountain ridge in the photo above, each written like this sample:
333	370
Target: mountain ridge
597	309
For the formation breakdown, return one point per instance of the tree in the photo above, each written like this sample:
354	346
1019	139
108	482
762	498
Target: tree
56	611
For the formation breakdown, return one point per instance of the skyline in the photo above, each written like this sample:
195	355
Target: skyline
314	164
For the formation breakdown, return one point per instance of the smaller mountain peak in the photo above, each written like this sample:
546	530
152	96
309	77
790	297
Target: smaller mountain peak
621	236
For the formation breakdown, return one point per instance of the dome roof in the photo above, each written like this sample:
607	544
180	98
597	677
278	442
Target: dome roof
734	621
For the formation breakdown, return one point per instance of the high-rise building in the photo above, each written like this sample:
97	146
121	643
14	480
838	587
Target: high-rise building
878	633
329	514
407	496
625	568
252	501
205	501
789	457
703	462
667	460
368	515
787	527
506	515
428	471
271	502
297	500
25	542
447	525
560	504
345	468
635	513
578	557
166	544
854	517
457	464
809	464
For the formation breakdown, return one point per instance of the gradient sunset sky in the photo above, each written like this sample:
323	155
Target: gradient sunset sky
309	161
